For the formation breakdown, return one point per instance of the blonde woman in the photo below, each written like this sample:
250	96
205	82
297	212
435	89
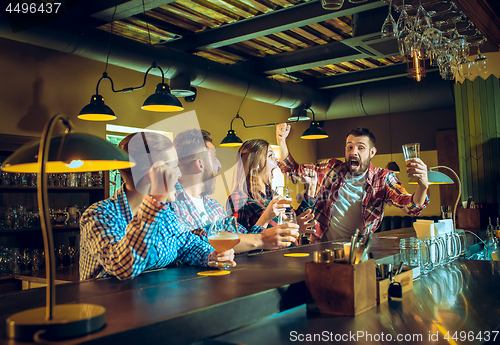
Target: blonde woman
252	199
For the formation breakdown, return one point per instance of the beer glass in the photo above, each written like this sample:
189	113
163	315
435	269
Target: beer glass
332	4
289	217
461	242
411	151
223	236
410	250
285	193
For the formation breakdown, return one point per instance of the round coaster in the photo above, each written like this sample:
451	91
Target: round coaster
213	273
388	237
297	255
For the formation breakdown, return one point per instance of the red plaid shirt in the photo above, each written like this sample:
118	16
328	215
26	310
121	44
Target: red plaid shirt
248	210
382	187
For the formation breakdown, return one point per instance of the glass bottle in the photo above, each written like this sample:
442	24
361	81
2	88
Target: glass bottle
490	232
494	251
497	229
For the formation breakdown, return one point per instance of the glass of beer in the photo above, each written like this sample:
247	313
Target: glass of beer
289	217
285	193
223	236
411	151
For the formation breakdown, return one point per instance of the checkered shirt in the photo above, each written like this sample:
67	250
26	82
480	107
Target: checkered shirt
248	210
382	188
188	213
113	242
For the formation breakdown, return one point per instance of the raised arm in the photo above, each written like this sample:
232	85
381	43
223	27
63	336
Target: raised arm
282	131
417	168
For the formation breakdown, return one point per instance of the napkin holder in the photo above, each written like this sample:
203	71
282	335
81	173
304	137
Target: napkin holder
425	228
340	288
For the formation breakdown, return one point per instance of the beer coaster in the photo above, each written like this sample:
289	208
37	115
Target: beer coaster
388	237
297	255
213	273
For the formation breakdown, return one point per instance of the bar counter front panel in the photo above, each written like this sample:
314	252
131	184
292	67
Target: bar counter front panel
262	301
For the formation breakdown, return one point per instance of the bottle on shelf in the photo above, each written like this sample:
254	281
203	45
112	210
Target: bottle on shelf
490	232
497	229
495	251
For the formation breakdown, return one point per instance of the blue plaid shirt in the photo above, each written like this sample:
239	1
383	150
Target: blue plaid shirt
188	213
113	242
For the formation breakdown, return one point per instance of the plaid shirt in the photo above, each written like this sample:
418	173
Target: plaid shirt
248	211
382	187
113	242
188	213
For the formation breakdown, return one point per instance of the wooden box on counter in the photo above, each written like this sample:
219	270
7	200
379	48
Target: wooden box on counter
469	219
341	289
406	280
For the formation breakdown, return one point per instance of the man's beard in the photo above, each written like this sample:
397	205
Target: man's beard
362	168
209	181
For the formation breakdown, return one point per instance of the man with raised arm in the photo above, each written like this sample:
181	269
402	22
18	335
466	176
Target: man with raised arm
353	194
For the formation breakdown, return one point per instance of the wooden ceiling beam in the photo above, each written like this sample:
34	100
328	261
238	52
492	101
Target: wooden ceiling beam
266	24
485	15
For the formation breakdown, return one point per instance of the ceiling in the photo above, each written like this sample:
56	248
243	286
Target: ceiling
290	41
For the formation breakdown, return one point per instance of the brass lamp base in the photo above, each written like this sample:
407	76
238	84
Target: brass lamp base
70	320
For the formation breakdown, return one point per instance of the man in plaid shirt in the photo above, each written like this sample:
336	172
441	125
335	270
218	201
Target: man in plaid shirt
137	229
197	210
353	194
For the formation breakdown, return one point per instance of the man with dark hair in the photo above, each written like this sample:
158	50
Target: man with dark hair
199	166
353	194
137	228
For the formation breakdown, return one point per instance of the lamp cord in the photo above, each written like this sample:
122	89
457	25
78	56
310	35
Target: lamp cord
480	239
110	36
149	33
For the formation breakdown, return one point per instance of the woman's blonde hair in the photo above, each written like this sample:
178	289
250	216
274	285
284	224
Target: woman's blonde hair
251	161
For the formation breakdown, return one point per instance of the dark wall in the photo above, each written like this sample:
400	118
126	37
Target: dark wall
408	127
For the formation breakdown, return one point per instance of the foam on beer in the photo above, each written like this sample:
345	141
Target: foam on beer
224	236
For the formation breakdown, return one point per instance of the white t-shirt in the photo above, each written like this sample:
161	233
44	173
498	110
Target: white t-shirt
200	206
345	215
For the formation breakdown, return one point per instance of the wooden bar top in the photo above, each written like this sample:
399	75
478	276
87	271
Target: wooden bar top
178	306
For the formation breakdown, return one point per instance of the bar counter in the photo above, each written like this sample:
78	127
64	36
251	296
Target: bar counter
262	301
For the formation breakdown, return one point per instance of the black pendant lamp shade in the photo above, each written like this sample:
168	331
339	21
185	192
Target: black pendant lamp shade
162	100
231	140
314	132
394	167
96	110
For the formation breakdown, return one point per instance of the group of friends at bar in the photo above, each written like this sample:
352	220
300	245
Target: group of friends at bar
161	214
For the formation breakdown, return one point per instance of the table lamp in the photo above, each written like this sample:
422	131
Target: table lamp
436	177
69	152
